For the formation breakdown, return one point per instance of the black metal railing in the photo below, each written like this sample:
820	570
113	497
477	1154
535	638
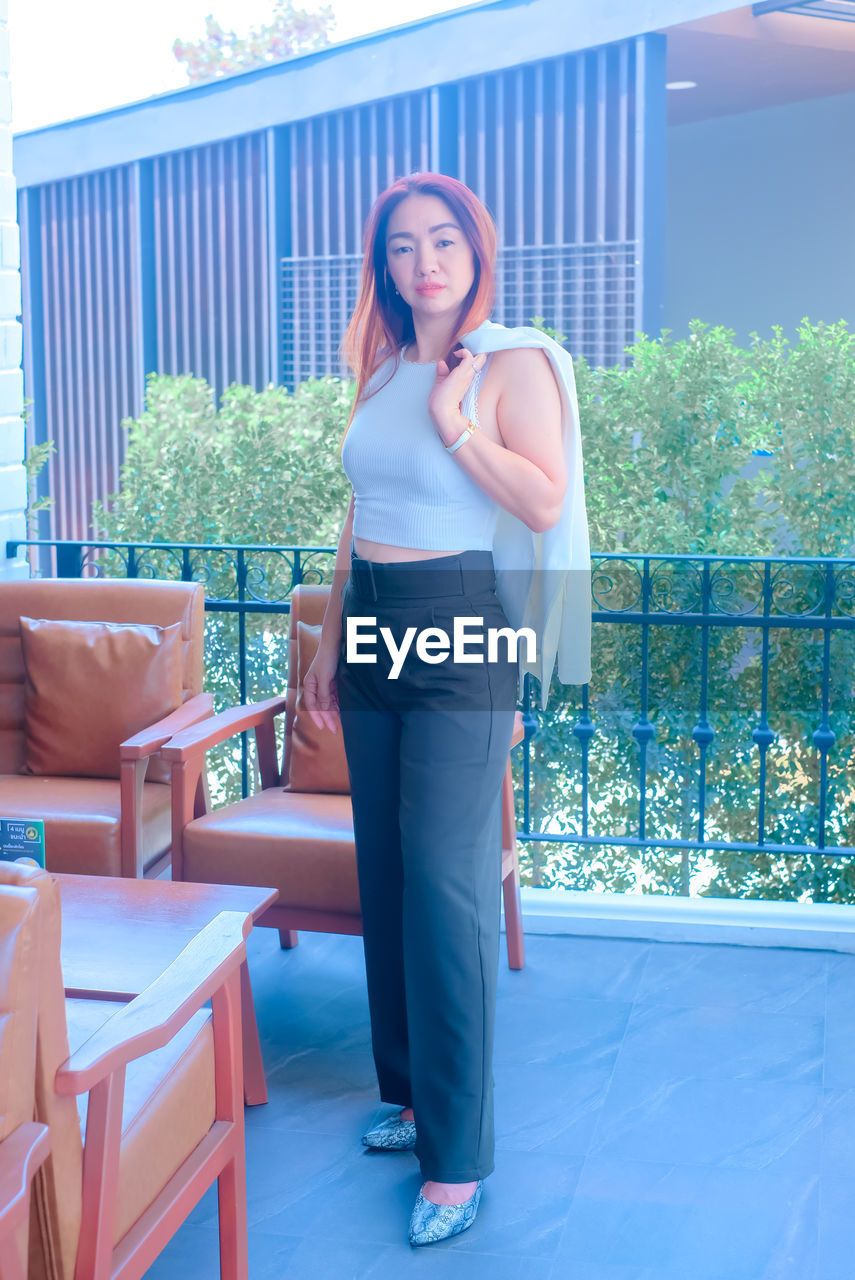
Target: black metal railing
753	598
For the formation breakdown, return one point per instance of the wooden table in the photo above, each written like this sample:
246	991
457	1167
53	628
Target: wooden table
119	934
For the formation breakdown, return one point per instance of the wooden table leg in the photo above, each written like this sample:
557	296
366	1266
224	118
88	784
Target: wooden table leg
254	1084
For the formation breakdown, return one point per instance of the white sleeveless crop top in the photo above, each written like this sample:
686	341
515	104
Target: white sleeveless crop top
408	490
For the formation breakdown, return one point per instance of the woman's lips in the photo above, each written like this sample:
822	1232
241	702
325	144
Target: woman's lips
429	288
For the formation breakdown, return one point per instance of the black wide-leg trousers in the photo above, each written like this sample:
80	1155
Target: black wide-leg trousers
426	754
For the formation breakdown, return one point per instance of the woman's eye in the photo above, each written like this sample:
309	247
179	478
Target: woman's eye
442	242
402	249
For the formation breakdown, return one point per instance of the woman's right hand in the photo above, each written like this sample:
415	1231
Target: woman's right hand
320	694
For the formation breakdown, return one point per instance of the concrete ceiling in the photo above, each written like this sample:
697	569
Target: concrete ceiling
742	63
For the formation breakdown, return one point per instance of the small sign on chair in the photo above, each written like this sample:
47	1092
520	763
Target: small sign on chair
22	840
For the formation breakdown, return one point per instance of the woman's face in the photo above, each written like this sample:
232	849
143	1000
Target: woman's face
428	257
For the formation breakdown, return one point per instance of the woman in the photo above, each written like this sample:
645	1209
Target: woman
427	736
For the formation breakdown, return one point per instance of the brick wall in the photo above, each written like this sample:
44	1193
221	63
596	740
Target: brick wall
13	487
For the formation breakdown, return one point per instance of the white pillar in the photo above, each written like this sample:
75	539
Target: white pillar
13	481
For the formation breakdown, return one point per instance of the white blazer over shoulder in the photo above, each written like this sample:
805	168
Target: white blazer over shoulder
543	580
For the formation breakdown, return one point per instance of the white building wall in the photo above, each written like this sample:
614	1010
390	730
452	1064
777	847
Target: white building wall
759	219
13	481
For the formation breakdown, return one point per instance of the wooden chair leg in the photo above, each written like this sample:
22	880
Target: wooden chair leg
100	1178
288	938
227	1006
254	1084
231	1202
511	879
21	1155
12	1254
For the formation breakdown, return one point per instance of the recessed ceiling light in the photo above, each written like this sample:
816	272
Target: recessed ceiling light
682	84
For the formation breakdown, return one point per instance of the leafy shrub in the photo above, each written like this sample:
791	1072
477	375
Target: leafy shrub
698	446
670	466
263	469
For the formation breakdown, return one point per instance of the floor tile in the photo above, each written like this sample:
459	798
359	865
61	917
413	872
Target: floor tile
324	1092
721	1043
526	1223
836	1230
680	1221
576	1033
313	1185
548	1108
575	967
663	1112
193	1253
761	979
339	1258
838	1133
570	1269
839	1061
731	1124
841	979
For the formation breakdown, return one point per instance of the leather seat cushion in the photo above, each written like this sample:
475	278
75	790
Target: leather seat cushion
301	844
168	1105
82	820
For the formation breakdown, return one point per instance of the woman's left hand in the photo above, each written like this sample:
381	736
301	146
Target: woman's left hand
450	387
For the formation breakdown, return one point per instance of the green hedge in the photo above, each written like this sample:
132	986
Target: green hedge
670	466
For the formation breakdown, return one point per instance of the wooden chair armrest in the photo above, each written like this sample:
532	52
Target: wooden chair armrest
20	1156
149	740
208	733
151	1019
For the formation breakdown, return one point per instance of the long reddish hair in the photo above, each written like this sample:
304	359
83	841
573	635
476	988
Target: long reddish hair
381	318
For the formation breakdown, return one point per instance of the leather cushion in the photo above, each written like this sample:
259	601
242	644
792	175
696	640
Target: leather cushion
91	685
301	845
82	818
167	1109
316	760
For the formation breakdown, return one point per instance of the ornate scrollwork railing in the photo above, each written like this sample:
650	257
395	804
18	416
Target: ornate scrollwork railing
738	616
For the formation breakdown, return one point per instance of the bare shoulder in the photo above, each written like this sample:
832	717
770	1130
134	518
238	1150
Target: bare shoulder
521	359
522	369
528	410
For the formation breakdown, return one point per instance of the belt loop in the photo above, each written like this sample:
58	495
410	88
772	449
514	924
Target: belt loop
360	572
475	579
363	575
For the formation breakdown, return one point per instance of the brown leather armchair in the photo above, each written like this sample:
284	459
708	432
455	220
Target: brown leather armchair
143	1101
23	1144
299	841
98	825
21	1155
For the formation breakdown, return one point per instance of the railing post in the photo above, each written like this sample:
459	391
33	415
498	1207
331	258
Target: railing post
69	559
244	737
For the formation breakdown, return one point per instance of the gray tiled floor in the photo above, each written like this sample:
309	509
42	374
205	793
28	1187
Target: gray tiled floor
663	1112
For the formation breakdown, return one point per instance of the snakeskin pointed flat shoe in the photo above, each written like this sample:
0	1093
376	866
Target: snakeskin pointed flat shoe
393	1134
431	1222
